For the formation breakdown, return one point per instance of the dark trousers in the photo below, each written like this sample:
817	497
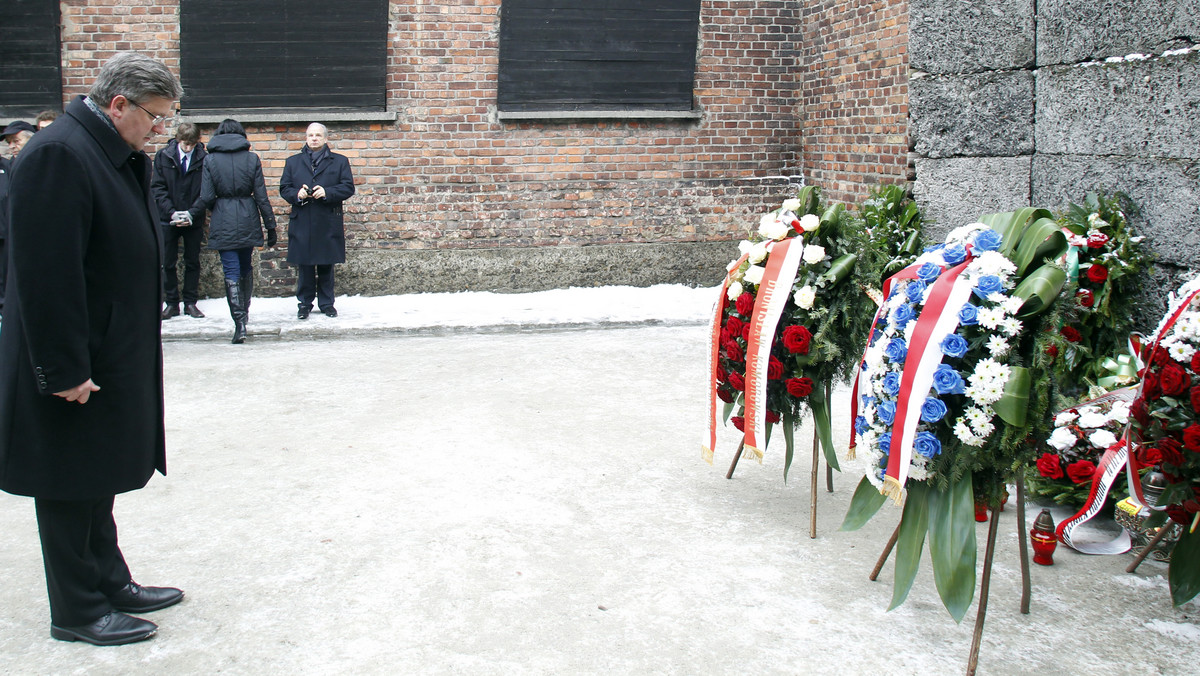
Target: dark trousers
191	237
315	281
83	563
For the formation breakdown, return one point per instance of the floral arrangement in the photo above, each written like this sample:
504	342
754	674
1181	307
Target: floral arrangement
1166	432
810	345
1081	436
944	403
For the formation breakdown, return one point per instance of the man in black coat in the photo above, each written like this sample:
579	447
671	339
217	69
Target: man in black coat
81	389
176	186
315	182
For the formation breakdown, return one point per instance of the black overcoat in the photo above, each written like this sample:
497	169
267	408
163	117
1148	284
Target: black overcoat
174	191
234	189
83	302
316	233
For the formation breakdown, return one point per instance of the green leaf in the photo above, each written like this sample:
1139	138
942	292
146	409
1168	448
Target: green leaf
913	526
789	431
952	544
1014	402
1184	573
866	501
819	404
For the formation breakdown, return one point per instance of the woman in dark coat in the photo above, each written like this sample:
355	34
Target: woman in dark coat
232	187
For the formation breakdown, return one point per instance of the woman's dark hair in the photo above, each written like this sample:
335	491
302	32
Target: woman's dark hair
230	126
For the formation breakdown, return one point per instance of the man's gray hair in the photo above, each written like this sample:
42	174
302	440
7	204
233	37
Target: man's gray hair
135	76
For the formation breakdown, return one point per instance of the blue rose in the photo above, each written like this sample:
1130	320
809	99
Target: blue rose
933	410
861	425
946	380
896	350
867	401
927	445
902	315
954	345
987	285
929	272
885	442
987	240
915	291
891	383
968	315
954	254
887	412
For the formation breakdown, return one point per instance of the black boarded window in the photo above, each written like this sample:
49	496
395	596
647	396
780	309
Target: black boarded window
30	67
565	55
280	55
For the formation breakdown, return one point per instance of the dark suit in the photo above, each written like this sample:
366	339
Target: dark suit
83	302
316	230
5	167
176	190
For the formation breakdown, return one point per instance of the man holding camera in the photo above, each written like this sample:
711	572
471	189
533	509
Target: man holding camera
315	182
176	186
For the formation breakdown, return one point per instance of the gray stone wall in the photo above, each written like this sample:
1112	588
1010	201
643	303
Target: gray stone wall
1013	104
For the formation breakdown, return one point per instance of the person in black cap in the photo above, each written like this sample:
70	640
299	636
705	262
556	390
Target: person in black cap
16	134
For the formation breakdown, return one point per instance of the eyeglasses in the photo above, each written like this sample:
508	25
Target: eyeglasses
156	119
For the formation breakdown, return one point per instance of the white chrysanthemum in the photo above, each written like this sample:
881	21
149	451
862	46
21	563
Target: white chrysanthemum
791	204
990	368
998	298
1102	438
1065	418
1011	326
993	263
814	254
754	274
1181	351
1093	418
1013	305
990	317
874	356
997	346
772	228
735	290
917	471
984	430
1062	439
757	253
810	222
975	416
963	232
964	433
805	295
909	331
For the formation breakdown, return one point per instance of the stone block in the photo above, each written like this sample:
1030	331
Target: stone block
951	36
1073	31
986	114
956	191
1139	108
1166	192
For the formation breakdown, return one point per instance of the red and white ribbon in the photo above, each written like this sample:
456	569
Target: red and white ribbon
1116	458
714	360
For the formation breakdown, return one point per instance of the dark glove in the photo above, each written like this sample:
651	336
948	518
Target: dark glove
271	237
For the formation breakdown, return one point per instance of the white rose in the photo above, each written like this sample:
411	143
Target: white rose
758	252
791	204
810	222
805	295
754	274
1063	418
814	254
734	291
1062	439
772	228
744	246
1102	439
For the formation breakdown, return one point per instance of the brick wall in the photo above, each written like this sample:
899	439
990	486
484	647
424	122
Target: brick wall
447	174
854	95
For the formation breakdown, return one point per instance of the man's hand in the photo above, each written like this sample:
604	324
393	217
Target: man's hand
303	193
319	192
80	393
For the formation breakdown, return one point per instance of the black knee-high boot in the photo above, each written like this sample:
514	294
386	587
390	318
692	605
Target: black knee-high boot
247	292
237	310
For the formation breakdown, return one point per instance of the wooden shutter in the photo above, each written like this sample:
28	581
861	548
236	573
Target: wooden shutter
598	55
279	55
30	66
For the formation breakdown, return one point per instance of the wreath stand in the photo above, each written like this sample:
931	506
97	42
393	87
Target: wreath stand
816	464
986	580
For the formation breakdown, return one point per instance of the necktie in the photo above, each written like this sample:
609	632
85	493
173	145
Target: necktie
183	164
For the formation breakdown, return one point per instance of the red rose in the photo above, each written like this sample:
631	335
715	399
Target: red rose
1191	438
1173	380
1196	362
733	351
735	326
745	304
797	339
1160	357
1171	452
1150	388
736	382
1149	457
1196	399
722	375
1050	466
773	417
1086	298
1139	413
774	369
1097	273
738	422
1052	351
1097	240
746	332
1071	334
1081	471
799	387
725	395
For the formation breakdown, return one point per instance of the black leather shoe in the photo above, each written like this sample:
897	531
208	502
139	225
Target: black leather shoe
112	629
134	598
330	311
192	311
170	311
302	313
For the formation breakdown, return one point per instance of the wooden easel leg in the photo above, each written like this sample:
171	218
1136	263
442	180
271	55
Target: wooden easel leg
1162	533
977	637
736	455
816	466
887	551
1023	536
